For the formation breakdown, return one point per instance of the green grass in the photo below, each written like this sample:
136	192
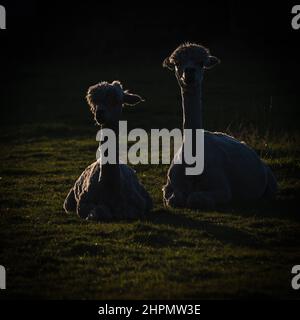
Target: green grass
244	251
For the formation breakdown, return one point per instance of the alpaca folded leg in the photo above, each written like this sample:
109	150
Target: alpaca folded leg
206	200
173	198
201	200
70	202
84	205
100	212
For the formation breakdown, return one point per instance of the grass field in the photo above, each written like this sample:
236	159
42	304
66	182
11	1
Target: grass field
48	138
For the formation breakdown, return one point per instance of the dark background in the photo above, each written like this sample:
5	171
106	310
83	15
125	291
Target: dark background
36	28
83	35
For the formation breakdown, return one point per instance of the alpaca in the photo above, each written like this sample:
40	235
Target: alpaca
117	193
232	170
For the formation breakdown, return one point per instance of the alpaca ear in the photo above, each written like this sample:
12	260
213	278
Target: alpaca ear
131	99
168	64
117	83
212	61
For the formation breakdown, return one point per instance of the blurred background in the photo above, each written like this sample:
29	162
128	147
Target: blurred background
52	51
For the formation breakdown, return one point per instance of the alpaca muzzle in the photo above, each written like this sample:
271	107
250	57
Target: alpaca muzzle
189	76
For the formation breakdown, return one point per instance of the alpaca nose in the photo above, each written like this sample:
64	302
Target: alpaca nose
189	75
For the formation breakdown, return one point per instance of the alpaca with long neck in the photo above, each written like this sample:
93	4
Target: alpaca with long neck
108	190
232	170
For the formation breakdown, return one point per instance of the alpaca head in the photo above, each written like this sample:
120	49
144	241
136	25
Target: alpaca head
189	61
107	99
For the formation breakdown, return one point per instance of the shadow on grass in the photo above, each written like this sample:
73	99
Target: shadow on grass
224	234
156	237
284	207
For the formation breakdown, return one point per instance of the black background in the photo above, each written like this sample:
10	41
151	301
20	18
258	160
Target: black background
117	33
69	28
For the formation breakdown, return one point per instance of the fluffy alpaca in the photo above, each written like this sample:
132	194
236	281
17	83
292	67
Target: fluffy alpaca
232	170
118	193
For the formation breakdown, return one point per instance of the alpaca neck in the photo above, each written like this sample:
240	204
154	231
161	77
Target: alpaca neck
110	173
192	114
192	108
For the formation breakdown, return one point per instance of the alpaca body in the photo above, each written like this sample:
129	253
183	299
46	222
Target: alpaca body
232	171
90	197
